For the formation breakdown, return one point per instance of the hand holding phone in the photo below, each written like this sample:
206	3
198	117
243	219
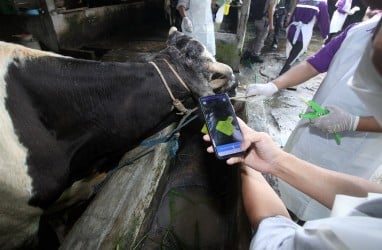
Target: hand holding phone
260	150
222	125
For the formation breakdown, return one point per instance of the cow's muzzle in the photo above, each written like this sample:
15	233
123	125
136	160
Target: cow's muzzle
223	79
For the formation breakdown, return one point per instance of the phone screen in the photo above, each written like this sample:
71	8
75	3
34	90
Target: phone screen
222	125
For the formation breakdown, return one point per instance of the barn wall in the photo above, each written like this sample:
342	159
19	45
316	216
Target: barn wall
70	24
65	26
75	27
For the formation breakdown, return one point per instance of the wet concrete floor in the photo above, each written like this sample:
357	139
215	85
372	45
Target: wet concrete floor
278	114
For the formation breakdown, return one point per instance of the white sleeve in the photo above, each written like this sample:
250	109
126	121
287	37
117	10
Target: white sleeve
346	232
274	233
184	3
282	233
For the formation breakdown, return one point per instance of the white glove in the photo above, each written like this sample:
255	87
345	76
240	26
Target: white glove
354	10
187	24
267	89
336	121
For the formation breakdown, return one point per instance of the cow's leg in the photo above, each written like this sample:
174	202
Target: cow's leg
80	190
59	218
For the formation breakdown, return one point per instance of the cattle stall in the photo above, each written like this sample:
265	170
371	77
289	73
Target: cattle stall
184	201
61	25
75	27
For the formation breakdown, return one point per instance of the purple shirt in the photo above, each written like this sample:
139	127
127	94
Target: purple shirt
305	11
322	59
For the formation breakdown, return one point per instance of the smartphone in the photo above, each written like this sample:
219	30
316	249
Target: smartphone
222	125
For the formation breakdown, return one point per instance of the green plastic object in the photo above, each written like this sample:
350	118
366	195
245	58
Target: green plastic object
204	129
226	126
317	112
337	137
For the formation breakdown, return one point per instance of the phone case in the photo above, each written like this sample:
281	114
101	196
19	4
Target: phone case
222	126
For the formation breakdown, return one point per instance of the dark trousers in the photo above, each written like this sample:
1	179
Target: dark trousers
296	48
279	20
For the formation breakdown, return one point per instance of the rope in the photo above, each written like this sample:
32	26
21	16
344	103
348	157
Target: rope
167	137
177	75
149	144
243	98
176	102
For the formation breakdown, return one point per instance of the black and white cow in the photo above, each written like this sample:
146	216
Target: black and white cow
62	119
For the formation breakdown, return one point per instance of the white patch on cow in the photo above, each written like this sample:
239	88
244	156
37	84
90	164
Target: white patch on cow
207	54
17	219
172	30
11	50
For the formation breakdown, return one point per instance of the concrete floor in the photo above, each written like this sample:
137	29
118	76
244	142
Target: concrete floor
277	115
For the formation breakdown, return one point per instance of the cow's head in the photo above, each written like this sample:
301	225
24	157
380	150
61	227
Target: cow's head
206	76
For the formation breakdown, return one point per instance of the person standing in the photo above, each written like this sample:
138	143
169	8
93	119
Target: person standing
343	9
281	10
197	22
300	28
262	12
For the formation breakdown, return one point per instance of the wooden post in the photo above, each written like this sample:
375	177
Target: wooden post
242	25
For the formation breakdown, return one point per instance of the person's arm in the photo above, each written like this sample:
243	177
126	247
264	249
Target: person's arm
296	75
341	8
314	65
368	124
182	6
182	11
319	183
318	63
260	200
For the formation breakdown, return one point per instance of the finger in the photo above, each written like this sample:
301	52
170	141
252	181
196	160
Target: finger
210	149
206	137
234	160
243	126
241	122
